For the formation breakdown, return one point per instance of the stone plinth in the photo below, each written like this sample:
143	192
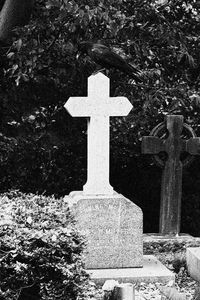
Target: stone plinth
113	227
152	271
193	262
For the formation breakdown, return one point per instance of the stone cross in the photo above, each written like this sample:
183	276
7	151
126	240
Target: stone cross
99	107
171	189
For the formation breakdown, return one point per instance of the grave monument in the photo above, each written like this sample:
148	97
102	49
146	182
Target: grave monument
171	186
111	223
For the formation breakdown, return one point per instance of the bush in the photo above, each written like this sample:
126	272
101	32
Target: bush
40	249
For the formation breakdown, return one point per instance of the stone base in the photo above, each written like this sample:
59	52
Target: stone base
113	227
193	262
152	271
157	237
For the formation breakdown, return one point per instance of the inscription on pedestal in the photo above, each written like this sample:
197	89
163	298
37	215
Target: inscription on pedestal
113	228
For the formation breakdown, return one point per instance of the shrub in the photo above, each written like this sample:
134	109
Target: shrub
40	249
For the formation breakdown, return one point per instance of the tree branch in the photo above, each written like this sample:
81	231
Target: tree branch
14	13
1	4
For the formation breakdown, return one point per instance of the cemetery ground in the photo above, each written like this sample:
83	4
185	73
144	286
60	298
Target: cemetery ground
172	253
113	224
41	246
33	225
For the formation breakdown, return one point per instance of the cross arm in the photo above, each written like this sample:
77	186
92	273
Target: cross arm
193	146
152	145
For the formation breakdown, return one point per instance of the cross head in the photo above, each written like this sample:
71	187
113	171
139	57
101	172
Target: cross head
98	106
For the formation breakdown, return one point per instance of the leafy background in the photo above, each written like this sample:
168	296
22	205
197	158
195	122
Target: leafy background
43	149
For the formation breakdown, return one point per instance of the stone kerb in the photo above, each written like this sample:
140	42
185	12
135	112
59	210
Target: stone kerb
193	262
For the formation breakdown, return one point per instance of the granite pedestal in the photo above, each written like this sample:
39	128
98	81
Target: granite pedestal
113	227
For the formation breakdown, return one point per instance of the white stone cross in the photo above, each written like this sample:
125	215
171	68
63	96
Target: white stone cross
99	106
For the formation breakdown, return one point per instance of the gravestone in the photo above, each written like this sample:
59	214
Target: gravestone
193	262
171	186
112	226
111	223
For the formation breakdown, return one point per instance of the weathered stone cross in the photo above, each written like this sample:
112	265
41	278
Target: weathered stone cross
171	189
99	107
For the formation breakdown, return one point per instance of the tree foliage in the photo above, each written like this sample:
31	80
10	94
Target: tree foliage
160	37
